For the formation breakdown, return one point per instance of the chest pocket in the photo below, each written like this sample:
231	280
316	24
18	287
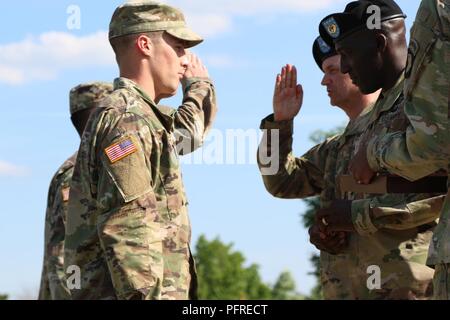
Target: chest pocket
424	35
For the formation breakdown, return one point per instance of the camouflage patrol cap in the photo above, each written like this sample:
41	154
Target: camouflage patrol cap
149	16
88	95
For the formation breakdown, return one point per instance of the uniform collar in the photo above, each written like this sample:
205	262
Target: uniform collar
165	115
387	98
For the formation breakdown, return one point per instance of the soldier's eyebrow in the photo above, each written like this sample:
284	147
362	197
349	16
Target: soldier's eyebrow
327	68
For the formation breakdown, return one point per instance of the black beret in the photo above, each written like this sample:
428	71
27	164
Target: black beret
337	26
321	51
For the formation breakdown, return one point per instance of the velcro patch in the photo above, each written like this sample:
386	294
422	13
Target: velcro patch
120	150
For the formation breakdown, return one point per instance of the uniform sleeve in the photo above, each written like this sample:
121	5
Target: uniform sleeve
128	228
195	117
284	175
370	215
423	148
44	287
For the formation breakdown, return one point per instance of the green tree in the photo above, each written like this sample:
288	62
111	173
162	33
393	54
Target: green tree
3	297
313	204
222	275
284	288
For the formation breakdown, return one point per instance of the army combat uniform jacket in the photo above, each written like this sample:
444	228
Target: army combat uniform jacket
393	231
128	228
53	285
424	146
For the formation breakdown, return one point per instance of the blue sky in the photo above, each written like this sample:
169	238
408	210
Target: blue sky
246	44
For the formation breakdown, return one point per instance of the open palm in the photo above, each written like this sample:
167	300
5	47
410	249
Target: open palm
288	95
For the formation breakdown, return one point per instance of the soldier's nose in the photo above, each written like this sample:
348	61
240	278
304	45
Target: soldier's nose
185	61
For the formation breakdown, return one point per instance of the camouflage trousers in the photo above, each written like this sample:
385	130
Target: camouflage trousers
441	282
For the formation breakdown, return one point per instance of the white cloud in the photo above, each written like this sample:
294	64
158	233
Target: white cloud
44	57
10	75
251	7
224	11
12	170
223	61
213	17
210	24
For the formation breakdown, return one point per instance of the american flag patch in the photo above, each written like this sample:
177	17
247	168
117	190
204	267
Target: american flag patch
120	150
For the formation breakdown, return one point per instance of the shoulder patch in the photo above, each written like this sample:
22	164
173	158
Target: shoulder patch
120	150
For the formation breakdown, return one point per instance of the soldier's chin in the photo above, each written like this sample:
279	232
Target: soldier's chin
170	92
167	95
333	101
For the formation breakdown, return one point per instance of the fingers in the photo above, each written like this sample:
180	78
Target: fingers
343	239
336	244
331	244
195	62
294	77
283	77
288	77
315	238
299	93
322	216
277	84
194	66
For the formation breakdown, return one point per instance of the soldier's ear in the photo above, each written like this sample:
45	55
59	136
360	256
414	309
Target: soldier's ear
382	42
144	45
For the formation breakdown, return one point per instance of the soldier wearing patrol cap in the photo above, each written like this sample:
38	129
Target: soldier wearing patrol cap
128	228
84	98
390	231
423	147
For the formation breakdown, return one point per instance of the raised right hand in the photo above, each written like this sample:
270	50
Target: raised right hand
288	95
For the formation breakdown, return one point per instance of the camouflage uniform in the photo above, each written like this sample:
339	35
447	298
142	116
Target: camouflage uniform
424	146
53	285
128	227
393	231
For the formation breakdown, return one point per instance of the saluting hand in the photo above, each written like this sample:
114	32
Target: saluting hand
288	95
195	68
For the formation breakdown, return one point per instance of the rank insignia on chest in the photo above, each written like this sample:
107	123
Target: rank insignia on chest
120	150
